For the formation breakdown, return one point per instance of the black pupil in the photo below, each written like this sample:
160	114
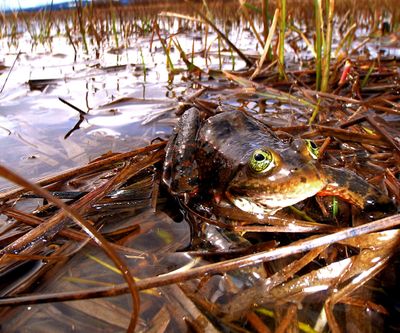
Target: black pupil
313	145
259	157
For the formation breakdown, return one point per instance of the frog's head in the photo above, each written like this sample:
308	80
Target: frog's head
271	178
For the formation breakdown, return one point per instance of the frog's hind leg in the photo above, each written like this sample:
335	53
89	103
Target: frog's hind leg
180	168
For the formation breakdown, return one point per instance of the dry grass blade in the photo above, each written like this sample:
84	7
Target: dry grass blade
267	45
181	16
318	228
222	35
94	166
102	310
371	139
379	128
250	297
217	268
57	221
303	36
247	16
34	221
185	308
282	33
345	38
345	99
100	240
9	72
166	49
268	92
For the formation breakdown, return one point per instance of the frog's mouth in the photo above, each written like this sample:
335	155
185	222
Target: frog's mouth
265	205
250	206
268	195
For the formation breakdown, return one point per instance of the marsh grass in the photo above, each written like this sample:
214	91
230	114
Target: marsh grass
323	46
166	48
250	21
96	28
318	43
267	46
114	25
143	64
366	78
265	18
282	31
326	61
121	23
347	113
80	10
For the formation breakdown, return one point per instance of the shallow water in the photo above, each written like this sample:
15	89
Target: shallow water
128	102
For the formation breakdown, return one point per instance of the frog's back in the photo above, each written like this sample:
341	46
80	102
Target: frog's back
235	135
225	141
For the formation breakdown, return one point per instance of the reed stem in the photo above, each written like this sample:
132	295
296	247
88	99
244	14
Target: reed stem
328	45
265	18
318	43
79	8
282	40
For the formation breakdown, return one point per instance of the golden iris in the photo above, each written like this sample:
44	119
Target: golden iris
312	148
261	161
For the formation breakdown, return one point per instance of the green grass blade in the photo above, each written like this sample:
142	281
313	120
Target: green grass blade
366	78
318	43
114	26
282	40
267	45
328	46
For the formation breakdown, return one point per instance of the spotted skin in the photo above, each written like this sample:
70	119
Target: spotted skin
211	158
180	169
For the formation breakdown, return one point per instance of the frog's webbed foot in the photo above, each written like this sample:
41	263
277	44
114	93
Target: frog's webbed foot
180	169
355	190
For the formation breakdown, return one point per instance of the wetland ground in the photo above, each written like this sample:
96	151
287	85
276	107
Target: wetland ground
88	97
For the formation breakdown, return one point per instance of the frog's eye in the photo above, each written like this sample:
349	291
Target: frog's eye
261	161
312	148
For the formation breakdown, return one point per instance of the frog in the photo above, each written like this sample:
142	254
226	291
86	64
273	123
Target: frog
236	157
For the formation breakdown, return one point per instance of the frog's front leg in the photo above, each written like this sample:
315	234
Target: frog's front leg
180	167
355	190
